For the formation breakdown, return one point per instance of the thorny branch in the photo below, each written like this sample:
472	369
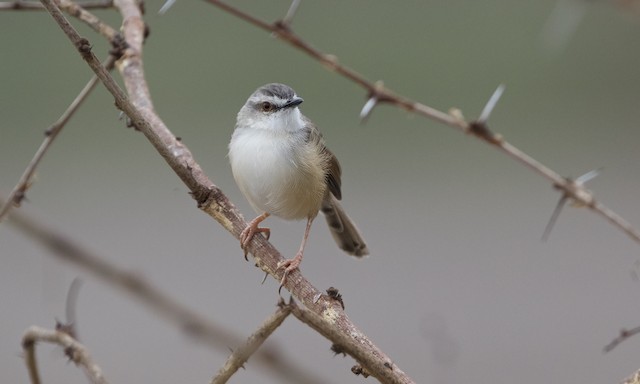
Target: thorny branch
75	351
341	331
19	191
193	324
24	5
242	353
378	93
209	197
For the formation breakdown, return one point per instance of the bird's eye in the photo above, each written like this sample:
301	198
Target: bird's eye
267	107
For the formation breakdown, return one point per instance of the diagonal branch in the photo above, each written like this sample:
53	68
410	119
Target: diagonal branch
23	5
78	11
18	193
72	348
242	354
209	197
192	323
378	93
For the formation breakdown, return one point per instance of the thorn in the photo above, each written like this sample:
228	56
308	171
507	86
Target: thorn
491	104
562	24
367	109
554	217
165	7
580	180
72	299
291	12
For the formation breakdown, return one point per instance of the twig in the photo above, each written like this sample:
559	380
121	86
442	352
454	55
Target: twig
18	193
478	128
242	354
78	11
624	335
209	197
23	5
190	322
72	348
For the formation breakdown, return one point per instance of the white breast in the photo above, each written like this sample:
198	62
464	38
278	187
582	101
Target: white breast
278	172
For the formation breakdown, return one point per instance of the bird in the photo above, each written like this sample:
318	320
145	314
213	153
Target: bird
282	166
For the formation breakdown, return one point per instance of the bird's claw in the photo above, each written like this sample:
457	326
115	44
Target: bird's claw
247	234
289	265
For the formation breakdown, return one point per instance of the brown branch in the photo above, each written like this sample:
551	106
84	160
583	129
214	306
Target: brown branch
378	93
241	355
23	5
379	366
193	324
72	348
78	11
18	193
209	197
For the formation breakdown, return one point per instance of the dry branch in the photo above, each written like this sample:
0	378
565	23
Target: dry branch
191	323
23	5
18	193
72	348
241	354
378	93
209	197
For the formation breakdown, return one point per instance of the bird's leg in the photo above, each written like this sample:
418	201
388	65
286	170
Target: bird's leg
252	228
292	264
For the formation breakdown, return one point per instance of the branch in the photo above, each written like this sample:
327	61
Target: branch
624	335
378	93
633	379
18	193
242	354
72	348
191	323
379	366
23	5
78	11
209	197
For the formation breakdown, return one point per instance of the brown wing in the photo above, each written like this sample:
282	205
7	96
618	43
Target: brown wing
334	171
333	174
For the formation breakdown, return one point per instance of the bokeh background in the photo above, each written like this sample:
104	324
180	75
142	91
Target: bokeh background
458	287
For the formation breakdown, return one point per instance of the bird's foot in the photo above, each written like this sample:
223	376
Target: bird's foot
289	265
247	234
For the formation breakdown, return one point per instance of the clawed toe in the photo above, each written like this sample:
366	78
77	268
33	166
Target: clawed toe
247	235
289	265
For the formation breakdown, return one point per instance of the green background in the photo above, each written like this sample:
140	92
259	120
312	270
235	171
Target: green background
458	287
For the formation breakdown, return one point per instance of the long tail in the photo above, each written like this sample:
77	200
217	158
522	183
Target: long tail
343	229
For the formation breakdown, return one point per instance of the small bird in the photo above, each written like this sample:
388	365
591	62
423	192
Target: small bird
281	164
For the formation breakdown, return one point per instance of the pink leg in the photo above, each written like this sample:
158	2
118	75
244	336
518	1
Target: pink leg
292	264
252	228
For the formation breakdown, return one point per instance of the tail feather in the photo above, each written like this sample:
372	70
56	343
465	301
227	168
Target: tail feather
343	229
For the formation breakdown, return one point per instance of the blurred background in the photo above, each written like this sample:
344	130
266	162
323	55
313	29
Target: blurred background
458	287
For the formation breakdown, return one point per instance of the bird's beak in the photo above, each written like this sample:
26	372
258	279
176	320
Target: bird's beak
293	102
